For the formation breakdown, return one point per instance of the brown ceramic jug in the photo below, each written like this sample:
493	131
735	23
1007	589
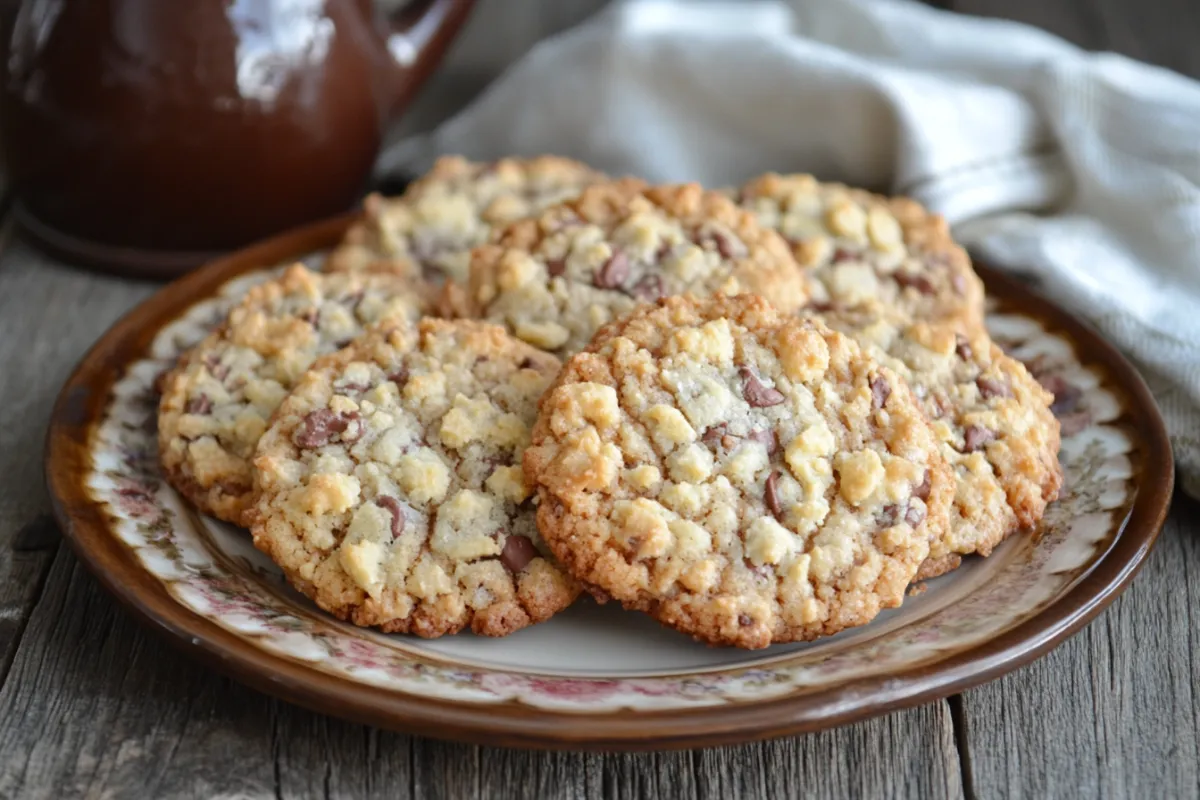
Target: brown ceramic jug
146	136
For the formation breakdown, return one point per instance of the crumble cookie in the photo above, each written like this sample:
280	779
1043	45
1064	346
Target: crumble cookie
216	401
992	418
741	475
391	489
431	229
862	248
555	279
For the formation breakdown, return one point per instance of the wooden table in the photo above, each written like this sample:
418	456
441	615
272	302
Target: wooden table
93	705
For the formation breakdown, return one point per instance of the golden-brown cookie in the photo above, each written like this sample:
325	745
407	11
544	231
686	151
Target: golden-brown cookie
862	248
432	227
742	475
216	402
555	279
992	418
390	483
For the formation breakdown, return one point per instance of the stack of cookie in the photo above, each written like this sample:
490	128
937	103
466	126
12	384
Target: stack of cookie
756	415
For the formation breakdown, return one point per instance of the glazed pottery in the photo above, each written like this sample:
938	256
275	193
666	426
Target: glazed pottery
145	136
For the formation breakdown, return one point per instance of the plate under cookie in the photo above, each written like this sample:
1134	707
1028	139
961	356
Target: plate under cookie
595	676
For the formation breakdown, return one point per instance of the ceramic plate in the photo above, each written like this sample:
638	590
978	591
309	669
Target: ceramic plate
596	676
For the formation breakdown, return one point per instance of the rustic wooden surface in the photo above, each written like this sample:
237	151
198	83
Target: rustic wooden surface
92	705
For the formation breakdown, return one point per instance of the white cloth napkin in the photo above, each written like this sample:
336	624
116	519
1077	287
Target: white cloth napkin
1083	169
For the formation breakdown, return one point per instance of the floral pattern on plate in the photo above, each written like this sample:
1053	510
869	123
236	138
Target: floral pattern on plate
211	568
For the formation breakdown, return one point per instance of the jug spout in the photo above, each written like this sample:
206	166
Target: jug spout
419	34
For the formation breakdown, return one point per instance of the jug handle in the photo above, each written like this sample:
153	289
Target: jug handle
420	32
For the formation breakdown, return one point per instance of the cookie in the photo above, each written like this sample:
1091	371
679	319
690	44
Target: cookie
216	402
742	475
992	418
556	279
862	248
431	229
391	488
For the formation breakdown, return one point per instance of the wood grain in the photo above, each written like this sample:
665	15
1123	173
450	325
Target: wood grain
49	314
1115	711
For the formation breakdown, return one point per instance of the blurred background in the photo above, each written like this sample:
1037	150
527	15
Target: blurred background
1161	32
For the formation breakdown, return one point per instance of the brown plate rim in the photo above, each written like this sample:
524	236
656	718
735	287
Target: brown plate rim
83	398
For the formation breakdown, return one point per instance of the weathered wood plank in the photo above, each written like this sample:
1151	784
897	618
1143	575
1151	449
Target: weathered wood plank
99	709
1115	711
48	316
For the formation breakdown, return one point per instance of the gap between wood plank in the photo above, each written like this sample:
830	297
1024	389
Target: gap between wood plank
958	718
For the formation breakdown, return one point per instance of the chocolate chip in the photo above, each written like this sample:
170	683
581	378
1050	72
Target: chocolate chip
393	505
975	437
322	425
756	392
729	246
648	289
556	267
518	552
914	515
598	594
993	387
613	273
912	280
399	377
842	254
772	493
963	347
712	436
199	405
769	438
745	620
216	368
881	390
922	491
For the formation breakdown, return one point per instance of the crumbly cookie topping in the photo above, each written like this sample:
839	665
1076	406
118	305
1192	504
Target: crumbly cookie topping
431	229
861	249
992	420
742	475
217	401
391	489
554	280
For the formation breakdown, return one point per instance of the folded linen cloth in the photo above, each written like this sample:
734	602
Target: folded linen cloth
1080	169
